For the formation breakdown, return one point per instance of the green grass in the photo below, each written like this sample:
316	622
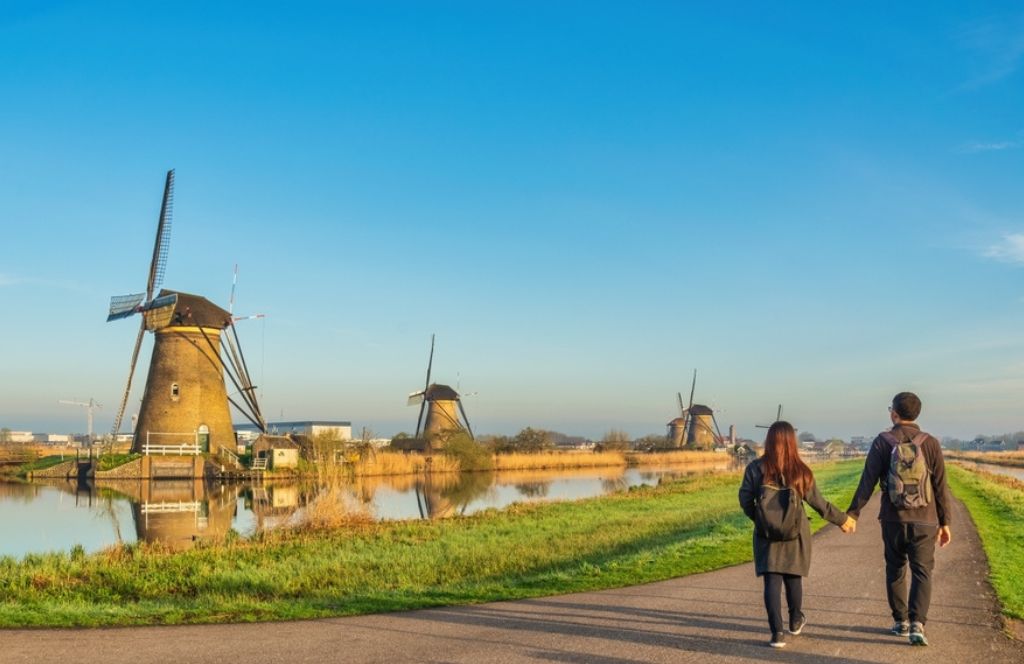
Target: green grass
110	461
43	463
996	505
642	535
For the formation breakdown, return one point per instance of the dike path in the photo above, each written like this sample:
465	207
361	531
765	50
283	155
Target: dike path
712	617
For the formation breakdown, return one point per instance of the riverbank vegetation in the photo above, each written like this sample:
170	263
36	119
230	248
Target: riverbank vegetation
1012	459
996	504
527	550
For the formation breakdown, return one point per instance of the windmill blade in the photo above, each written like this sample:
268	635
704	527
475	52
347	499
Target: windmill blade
163	238
778	414
131	374
693	387
419	420
682	408
714	420
466	420
234	282
416	398
430	363
123	306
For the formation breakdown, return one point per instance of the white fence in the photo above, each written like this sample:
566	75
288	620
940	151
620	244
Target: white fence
181	449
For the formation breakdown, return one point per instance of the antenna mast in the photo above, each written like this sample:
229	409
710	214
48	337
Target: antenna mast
89	406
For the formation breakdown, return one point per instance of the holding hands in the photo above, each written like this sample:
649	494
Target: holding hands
849	526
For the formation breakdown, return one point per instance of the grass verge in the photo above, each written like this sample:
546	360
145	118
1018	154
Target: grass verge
643	535
996	504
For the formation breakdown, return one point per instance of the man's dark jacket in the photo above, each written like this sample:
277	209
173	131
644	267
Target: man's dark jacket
876	472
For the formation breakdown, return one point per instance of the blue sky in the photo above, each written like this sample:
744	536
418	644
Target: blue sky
813	205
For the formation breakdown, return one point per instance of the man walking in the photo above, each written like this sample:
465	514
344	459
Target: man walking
907	465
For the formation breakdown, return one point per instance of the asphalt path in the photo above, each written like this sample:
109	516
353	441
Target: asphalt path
713	617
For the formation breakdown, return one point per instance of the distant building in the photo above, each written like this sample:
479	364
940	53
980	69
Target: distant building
21	437
52	438
993	446
311	428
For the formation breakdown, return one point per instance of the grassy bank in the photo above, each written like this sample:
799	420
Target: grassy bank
525	551
996	504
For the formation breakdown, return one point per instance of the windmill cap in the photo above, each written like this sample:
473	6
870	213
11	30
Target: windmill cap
678	420
437	392
197	310
699	409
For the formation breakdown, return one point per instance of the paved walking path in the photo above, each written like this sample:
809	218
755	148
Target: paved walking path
713	617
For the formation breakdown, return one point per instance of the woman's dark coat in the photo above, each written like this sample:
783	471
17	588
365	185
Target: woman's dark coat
794	556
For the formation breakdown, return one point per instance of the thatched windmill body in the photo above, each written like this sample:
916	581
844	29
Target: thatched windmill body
441	410
185	401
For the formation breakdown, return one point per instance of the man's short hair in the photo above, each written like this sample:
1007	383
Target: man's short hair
907	406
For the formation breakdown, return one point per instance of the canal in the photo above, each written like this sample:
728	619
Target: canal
58	516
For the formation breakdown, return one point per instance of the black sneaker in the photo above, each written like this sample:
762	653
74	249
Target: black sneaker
917	634
797	626
778	640
901	628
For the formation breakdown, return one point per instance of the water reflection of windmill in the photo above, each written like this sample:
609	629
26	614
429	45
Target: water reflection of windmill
185	403
442	408
696	427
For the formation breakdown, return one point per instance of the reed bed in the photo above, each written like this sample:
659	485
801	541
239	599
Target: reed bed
556	460
331	509
398	463
676	457
1014	458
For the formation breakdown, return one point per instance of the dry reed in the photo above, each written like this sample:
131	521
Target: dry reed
397	463
676	457
553	460
331	509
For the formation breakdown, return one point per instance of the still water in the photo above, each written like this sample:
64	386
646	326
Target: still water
1009	471
56	516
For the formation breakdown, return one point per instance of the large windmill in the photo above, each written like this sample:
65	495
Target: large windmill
442	407
185	401
696	427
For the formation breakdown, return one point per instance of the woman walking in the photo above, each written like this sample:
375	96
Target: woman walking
774	489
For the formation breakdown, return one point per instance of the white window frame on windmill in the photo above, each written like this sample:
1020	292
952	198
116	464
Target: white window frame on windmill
175	392
203	438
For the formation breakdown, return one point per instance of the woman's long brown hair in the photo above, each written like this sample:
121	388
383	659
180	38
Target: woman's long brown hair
781	463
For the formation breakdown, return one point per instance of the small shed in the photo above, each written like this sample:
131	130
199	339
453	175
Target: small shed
280	451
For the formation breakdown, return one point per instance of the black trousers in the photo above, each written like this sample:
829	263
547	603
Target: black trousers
913	545
773	598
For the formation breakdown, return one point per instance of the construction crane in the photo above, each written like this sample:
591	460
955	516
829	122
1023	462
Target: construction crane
89	406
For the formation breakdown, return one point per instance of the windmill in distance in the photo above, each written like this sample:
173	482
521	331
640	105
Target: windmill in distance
778	418
696	427
441	411
185	402
677	427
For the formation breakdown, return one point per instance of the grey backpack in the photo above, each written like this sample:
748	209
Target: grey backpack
909	482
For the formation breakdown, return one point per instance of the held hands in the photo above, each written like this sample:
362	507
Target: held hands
944	537
849	526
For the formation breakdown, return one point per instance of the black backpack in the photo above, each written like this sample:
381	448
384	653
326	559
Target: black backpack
778	512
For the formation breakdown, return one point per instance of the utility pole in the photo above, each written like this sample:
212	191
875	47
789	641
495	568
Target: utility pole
89	408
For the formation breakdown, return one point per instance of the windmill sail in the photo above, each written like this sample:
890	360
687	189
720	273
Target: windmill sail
157	266
123	306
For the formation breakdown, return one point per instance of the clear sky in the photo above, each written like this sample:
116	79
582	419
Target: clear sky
814	204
